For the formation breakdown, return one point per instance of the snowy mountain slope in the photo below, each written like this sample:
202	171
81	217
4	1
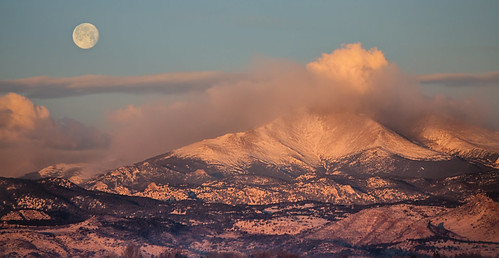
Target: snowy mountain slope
307	140
73	172
290	147
477	220
380	162
380	225
460	139
316	185
77	173
304	157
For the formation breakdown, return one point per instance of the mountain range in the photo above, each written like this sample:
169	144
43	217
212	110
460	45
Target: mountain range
342	158
312	184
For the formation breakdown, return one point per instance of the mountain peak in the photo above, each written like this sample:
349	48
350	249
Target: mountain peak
307	156
308	140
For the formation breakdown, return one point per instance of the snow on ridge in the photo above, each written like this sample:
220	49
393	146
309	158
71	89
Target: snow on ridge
72	172
77	173
456	138
306	140
60	168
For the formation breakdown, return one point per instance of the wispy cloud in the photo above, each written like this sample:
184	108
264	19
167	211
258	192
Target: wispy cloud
461	79
166	83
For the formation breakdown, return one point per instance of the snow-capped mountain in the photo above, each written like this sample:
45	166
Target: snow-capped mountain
73	172
314	185
341	158
460	139
308	141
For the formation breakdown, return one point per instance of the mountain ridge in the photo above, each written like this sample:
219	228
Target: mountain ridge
309	139
447	135
54	217
307	157
282	185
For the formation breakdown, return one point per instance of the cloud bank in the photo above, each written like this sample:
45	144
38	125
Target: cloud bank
349	79
30	139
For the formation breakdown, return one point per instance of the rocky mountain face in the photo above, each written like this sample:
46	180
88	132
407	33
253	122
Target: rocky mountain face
312	185
342	158
54	217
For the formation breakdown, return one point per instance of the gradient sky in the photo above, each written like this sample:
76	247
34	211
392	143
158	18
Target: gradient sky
159	36
141	38
138	38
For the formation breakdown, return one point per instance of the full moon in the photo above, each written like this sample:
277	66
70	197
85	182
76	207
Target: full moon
85	35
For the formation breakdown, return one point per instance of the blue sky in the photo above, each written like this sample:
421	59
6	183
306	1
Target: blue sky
167	36
139	38
151	57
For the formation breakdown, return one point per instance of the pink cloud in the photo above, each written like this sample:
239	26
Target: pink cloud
350	79
350	64
30	139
